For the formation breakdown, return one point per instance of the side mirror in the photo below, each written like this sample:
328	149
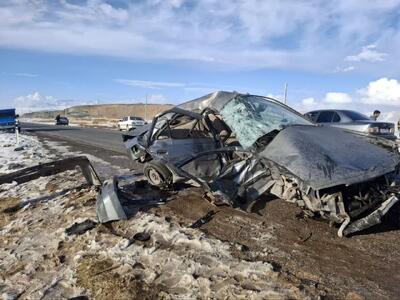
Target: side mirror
17	116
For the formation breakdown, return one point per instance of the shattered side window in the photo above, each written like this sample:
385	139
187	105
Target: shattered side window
179	127
251	117
161	122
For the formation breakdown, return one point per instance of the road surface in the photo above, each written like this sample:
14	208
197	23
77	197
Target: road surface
106	139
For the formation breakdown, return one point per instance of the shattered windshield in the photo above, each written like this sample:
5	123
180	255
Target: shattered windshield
251	117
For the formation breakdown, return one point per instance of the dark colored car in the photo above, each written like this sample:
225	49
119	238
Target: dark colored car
352	120
62	121
239	147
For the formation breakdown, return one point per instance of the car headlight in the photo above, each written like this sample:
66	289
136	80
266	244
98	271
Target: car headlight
391	130
373	129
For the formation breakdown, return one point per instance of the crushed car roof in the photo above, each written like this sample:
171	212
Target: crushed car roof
216	101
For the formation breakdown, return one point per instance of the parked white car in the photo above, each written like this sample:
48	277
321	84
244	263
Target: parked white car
128	123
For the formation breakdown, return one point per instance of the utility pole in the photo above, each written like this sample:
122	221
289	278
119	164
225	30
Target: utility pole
285	99
145	110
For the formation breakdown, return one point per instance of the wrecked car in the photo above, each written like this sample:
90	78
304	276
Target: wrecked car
240	146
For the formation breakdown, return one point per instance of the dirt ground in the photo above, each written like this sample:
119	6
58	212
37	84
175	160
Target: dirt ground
307	252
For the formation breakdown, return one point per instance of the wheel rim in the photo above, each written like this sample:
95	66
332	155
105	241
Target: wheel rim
155	177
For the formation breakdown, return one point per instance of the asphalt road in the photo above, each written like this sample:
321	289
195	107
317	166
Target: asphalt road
106	139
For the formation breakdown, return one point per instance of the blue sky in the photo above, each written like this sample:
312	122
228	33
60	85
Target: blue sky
61	53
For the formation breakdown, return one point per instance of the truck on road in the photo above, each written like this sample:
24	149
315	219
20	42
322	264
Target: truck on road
9	120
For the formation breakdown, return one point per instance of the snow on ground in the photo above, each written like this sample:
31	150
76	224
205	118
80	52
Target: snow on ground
27	152
39	260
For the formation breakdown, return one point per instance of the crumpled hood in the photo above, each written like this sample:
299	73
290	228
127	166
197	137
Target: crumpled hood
326	156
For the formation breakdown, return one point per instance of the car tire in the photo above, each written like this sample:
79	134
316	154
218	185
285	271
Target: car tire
158	174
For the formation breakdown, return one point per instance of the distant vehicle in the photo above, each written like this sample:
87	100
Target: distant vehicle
128	123
352	120
62	120
9	120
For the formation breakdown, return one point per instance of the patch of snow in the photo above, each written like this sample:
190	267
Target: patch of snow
192	263
28	152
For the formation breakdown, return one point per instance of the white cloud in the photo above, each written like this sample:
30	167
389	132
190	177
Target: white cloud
39	102
150	84
337	98
26	75
344	69
382	94
231	33
383	91
186	87
36	102
309	101
368	54
330	100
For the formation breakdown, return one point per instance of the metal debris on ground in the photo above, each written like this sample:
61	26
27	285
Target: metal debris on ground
203	220
54	167
80	228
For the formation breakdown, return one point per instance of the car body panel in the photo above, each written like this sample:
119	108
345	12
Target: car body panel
320	156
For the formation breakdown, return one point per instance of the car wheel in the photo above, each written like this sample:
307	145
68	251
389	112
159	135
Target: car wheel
157	174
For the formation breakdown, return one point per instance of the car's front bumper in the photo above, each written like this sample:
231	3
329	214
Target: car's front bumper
372	219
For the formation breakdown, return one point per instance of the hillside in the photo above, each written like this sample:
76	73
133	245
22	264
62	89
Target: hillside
103	111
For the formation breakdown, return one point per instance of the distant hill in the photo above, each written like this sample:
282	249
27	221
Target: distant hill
103	111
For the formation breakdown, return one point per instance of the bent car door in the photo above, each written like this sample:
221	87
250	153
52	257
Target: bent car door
181	134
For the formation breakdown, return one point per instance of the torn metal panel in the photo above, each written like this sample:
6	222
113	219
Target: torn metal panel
108	205
52	168
118	200
324	156
372	219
